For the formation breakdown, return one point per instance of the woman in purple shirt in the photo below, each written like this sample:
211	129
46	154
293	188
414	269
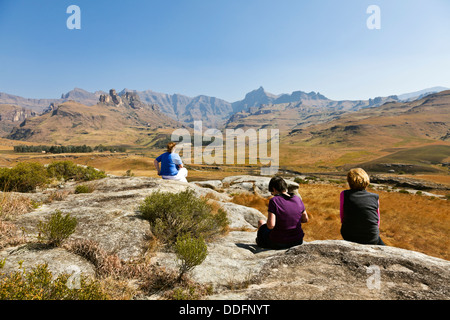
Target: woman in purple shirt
285	217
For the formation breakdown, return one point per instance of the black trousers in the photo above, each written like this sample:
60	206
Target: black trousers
263	240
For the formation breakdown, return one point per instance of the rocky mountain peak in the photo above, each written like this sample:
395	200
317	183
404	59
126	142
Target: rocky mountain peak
112	98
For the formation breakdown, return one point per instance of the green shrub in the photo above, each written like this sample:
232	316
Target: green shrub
175	214
301	181
57	229
24	177
62	169
190	251
82	188
37	284
68	170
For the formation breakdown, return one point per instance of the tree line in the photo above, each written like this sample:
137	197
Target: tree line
67	149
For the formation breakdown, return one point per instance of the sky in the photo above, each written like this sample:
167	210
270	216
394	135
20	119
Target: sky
224	48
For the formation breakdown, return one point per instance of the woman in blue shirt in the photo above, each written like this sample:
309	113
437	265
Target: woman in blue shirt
171	165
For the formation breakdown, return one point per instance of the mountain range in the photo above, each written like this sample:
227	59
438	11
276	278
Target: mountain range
214	112
305	120
114	120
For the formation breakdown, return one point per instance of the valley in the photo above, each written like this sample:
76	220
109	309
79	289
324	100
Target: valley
396	135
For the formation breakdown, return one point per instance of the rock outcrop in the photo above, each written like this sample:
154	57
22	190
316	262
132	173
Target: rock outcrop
315	270
11	115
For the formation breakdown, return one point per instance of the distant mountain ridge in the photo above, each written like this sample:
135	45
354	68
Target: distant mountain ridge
215	112
115	120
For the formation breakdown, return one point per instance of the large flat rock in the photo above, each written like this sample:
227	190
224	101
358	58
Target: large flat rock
235	266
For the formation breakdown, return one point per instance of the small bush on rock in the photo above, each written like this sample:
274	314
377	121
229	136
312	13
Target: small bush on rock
191	252
82	188
57	229
174	214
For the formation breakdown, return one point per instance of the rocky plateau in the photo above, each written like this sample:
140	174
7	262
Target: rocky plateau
319	270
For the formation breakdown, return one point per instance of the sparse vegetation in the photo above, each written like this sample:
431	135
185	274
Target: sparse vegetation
57	229
13	205
83	188
301	181
152	279
10	235
38	284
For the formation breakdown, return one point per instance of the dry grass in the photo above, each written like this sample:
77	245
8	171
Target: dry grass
322	205
252	200
58	195
124	280
416	223
12	205
412	222
10	235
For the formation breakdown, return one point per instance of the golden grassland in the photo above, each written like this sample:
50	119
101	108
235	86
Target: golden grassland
413	222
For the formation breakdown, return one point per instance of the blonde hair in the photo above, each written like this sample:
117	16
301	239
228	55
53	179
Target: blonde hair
358	179
170	146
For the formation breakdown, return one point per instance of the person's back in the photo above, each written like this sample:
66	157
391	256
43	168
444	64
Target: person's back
361	217
169	162
171	165
359	210
288	211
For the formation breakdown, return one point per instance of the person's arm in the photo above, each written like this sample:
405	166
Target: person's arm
271	220
305	217
379	215
341	207
177	160
156	163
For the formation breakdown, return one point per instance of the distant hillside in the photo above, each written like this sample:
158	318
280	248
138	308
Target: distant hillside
212	111
39	105
115	120
410	160
394	123
299	110
421	94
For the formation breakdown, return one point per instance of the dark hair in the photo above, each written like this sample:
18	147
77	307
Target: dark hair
278	184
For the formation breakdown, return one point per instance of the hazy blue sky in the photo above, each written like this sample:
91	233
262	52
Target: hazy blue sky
224	48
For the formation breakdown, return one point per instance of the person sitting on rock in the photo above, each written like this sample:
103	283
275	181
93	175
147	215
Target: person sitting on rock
360	210
285	217
171	165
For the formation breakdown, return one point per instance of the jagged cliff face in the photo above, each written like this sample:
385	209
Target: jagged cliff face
128	99
114	120
11	116
212	111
